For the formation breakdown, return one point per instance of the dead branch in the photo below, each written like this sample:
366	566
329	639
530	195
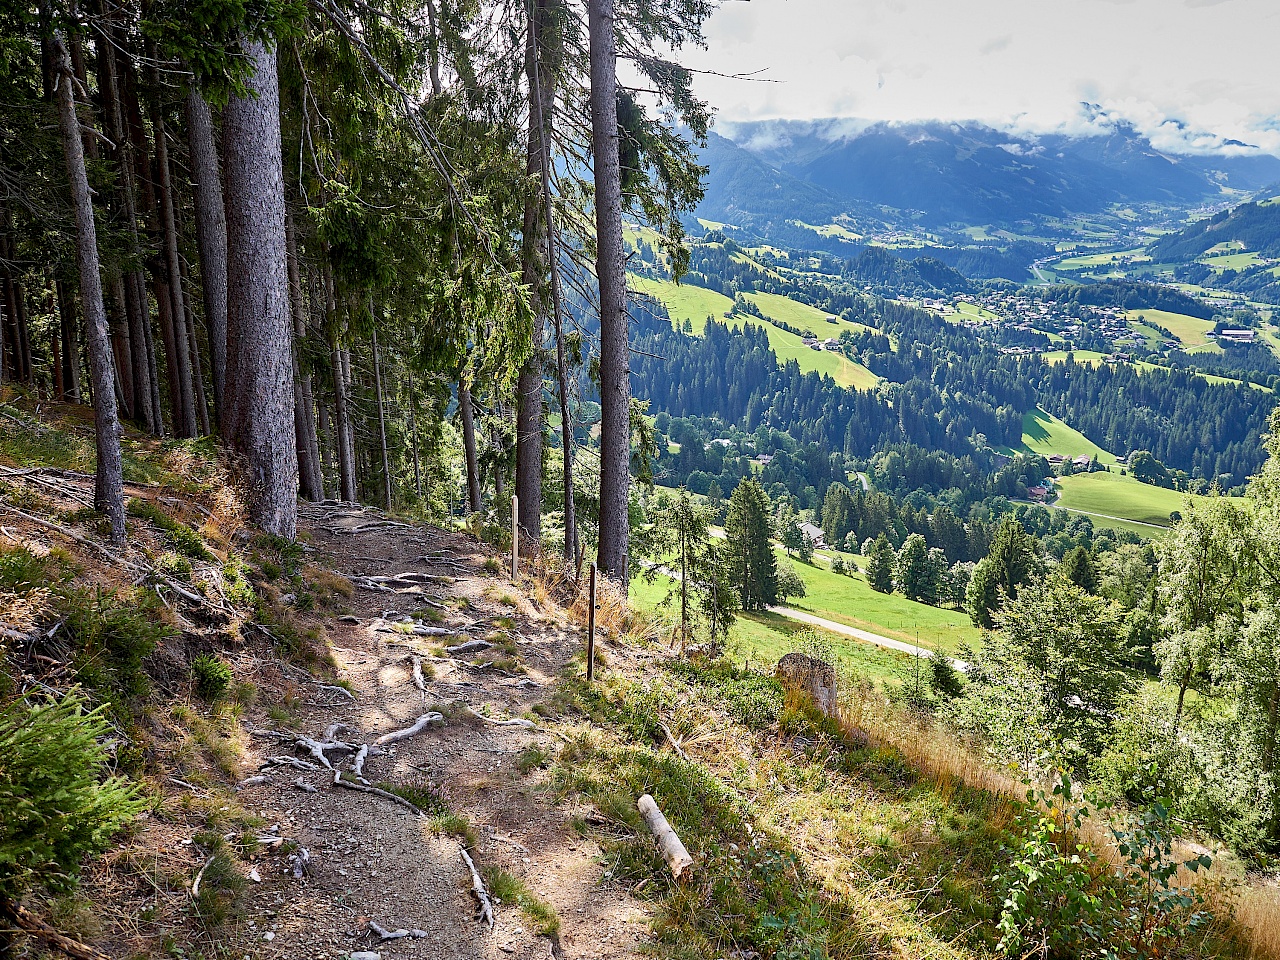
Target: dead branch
34	927
471	646
382	933
675	744
195	884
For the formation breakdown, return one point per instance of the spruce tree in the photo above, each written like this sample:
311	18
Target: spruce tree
747	529
880	568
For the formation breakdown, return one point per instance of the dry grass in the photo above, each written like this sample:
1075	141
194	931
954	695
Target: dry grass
1258	911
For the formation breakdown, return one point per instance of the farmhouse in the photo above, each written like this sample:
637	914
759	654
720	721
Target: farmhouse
1037	492
1236	336
814	533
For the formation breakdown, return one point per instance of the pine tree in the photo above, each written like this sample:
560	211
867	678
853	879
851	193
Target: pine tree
747	530
880	568
1077	566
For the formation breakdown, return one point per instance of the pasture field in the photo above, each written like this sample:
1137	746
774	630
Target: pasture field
1231	261
851	600
1191	331
1045	434
1118	496
684	301
761	639
695	303
1093	260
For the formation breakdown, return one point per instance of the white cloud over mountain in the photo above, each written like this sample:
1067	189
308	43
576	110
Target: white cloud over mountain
1195	76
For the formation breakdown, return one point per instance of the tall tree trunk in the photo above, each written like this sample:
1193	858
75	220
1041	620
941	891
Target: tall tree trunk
70	343
345	447
382	420
535	263
211	237
108	482
615	376
197	363
144	409
467	414
543	41
413	433
21	332
342	424
310	477
259	398
179	359
327	443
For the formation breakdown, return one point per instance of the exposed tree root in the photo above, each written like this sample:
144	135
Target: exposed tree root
471	646
25	921
418	726
514	722
382	933
340	781
478	889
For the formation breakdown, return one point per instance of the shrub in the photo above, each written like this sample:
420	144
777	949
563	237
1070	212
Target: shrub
112	636
183	539
212	676
57	809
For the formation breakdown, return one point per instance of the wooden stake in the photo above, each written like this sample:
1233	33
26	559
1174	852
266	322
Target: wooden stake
515	537
591	627
673	851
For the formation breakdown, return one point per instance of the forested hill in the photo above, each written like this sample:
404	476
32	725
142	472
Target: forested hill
947	389
1254	226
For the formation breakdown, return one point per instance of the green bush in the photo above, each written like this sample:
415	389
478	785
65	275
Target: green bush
184	540
57	808
112	636
212	676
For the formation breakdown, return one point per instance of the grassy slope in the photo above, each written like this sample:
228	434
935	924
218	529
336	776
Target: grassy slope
1191	331
1119	496
1045	434
684	301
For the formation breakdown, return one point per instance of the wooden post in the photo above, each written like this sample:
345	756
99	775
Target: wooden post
515	536
591	627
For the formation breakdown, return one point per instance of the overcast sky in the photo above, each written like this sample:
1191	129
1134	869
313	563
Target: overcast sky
1214	65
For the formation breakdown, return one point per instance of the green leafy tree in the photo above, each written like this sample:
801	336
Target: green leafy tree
747	531
880	566
1009	564
982	595
789	583
683	545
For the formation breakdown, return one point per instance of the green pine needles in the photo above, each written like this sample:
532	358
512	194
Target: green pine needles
58	807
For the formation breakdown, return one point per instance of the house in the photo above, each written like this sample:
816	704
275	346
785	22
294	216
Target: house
764	459
1236	336
1037	492
831	343
1082	462
1056	459
814	533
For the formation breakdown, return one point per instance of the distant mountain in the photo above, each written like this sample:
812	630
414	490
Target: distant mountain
941	173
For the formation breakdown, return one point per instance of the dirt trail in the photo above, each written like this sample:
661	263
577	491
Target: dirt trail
371	859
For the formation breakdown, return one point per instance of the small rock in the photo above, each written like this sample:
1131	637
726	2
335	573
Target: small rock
366	955
348	619
254	875
268	936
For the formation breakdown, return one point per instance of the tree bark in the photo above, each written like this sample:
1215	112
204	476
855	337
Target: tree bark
615	377
145	408
259	398
108	481
467	415
179	358
197	363
382	420
70	343
211	237
413	433
310	476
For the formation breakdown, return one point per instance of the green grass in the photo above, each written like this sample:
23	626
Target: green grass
684	301
975	312
1190	331
851	601
760	639
1045	434
1120	496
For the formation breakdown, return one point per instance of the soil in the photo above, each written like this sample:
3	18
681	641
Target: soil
371	859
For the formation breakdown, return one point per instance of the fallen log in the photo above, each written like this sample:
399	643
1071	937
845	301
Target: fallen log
477	888
673	851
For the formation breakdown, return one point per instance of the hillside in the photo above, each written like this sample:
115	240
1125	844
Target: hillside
330	785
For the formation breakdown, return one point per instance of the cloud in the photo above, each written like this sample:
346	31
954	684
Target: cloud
1188	74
